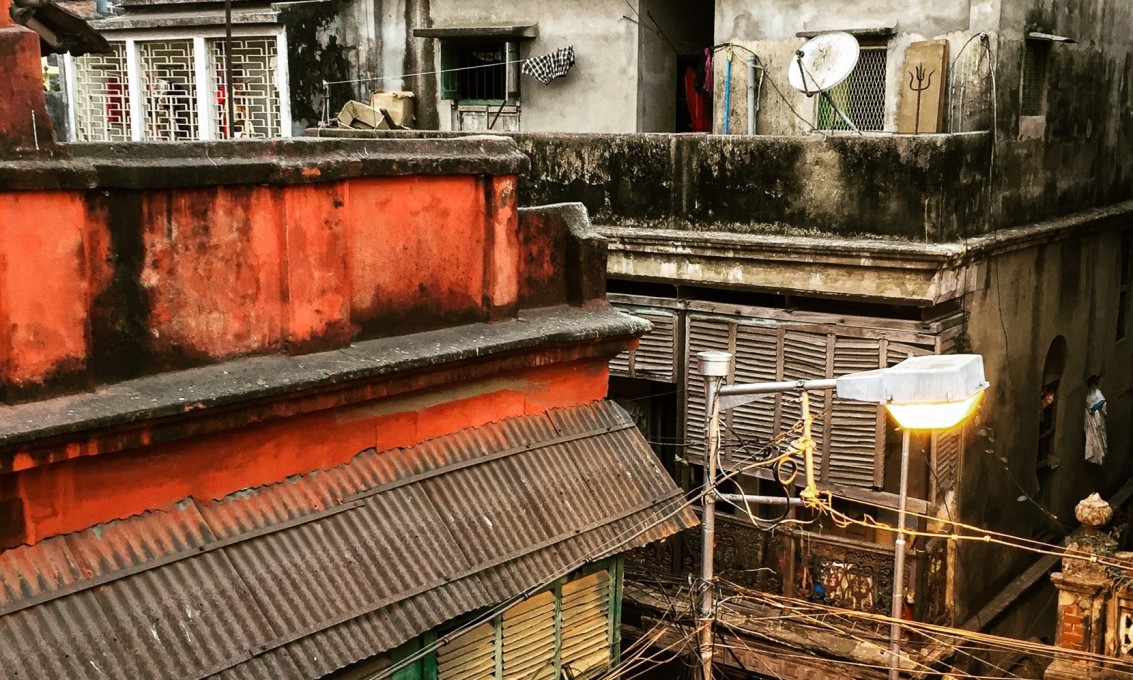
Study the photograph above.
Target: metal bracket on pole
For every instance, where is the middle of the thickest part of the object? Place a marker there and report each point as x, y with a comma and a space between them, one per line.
759, 500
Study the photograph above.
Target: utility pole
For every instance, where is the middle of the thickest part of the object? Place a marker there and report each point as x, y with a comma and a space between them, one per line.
898, 608
714, 366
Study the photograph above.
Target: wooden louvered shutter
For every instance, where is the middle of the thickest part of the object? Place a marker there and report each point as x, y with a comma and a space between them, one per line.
586, 642
704, 334
804, 358
653, 358
470, 656
948, 447
899, 351
757, 360
529, 638
619, 365
854, 434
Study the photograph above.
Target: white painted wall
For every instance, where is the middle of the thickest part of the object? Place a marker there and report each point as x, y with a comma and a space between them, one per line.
600, 93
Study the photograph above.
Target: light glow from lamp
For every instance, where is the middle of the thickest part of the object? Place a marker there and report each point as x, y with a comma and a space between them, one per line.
934, 416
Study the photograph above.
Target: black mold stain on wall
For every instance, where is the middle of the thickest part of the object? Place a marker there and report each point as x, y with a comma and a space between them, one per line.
310, 63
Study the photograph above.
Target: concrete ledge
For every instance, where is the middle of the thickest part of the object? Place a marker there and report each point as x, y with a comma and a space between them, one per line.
190, 394
293, 161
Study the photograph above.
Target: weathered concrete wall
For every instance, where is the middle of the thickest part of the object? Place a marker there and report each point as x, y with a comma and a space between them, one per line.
1067, 288
926, 188
1076, 154
163, 261
919, 189
770, 31
362, 41
599, 94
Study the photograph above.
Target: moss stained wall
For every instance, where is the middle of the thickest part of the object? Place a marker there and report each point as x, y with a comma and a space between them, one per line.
1028, 298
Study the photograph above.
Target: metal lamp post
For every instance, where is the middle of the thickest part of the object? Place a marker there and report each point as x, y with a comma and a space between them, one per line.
921, 393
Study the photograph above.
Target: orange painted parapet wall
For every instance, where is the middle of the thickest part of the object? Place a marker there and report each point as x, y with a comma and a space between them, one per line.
75, 494
123, 261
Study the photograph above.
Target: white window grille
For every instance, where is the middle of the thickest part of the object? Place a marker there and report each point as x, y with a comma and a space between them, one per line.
255, 99
861, 96
180, 90
102, 104
170, 90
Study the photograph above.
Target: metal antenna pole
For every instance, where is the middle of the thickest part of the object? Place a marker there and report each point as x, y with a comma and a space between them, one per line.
714, 366
899, 566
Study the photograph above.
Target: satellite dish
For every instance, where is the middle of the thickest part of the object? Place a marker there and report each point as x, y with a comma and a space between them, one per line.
823, 62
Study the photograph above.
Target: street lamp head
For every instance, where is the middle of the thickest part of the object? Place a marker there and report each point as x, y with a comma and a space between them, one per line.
714, 364
922, 393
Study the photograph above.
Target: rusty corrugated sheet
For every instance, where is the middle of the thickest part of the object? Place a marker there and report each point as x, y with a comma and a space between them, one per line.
303, 577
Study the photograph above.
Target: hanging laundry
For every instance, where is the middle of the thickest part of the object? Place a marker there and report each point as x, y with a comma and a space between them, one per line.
1096, 440
699, 108
547, 67
708, 69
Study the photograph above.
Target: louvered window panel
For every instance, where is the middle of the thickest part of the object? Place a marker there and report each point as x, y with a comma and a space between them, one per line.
899, 351
704, 334
470, 656
653, 358
102, 98
585, 625
854, 431
170, 90
619, 365
757, 359
948, 450
804, 358
529, 639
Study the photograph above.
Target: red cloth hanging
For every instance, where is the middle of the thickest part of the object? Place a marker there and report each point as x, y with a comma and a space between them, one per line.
697, 103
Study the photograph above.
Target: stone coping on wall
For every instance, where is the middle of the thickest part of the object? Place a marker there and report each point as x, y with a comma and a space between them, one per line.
291, 161
189, 394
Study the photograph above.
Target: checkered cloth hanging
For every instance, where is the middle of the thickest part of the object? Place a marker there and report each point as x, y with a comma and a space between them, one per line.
547, 67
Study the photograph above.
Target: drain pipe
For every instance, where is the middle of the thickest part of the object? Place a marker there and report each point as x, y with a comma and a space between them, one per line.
753, 88
728, 93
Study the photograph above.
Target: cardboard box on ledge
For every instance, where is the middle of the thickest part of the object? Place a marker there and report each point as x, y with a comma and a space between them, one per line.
398, 104
359, 116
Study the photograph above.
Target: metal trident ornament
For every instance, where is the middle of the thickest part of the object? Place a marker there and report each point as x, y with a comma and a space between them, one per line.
923, 83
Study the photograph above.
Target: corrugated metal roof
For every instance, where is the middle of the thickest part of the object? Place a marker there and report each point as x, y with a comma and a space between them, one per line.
303, 577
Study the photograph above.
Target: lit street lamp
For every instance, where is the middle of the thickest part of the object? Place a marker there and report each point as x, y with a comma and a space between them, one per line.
921, 393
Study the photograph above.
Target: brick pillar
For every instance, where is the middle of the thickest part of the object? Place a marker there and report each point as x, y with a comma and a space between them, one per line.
23, 114
1084, 590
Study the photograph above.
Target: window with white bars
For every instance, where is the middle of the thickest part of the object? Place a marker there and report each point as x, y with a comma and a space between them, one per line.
861, 97
255, 102
170, 90
182, 90
102, 104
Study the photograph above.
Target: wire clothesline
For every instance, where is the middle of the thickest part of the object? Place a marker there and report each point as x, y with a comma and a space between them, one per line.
423, 73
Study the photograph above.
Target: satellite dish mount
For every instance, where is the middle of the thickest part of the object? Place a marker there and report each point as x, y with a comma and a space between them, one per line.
823, 63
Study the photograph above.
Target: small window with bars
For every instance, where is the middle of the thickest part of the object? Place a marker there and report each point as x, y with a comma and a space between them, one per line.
1035, 56
475, 71
861, 97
